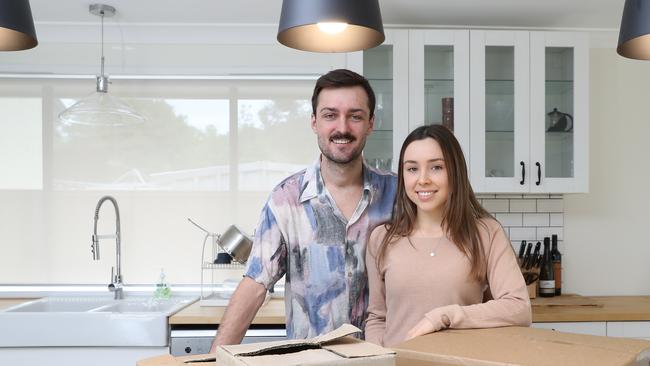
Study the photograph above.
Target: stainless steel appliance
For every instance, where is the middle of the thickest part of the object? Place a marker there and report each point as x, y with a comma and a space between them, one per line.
195, 340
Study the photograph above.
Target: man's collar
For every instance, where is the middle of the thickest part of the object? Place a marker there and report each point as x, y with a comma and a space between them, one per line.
313, 184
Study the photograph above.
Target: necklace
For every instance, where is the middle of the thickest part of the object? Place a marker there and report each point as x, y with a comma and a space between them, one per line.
434, 247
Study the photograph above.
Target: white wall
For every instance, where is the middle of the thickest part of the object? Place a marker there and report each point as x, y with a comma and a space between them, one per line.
607, 249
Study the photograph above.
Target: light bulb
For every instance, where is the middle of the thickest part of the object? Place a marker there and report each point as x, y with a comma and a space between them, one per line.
332, 28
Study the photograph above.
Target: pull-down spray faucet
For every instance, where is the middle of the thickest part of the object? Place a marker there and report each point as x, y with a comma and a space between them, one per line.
116, 278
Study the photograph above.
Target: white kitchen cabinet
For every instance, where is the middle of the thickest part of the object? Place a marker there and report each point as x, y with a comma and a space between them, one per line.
504, 84
517, 79
386, 68
589, 328
439, 69
411, 73
632, 329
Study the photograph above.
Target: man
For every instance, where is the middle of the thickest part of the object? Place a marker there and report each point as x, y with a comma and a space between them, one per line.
315, 224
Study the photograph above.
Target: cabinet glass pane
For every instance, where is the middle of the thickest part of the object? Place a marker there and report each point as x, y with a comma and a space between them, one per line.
439, 85
499, 111
559, 112
378, 69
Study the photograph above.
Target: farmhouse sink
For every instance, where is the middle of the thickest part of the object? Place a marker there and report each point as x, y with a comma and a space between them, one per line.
97, 321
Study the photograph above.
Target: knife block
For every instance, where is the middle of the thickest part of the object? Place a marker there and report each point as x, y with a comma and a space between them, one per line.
532, 290
532, 287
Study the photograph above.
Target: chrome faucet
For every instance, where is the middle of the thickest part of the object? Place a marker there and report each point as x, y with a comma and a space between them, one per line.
116, 284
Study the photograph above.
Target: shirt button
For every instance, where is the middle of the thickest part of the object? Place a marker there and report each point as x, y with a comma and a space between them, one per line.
349, 251
349, 274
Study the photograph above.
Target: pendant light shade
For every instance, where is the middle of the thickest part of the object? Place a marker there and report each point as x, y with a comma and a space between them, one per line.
101, 108
331, 25
634, 37
16, 26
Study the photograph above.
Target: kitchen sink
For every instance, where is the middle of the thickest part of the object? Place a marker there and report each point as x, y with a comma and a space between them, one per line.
98, 321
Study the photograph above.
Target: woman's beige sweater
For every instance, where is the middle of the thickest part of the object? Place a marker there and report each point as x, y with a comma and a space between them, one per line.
411, 285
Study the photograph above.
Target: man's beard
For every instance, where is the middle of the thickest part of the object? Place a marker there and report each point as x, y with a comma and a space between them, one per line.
340, 160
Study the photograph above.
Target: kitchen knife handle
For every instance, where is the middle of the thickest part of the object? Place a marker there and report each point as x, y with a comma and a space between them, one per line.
539, 173
523, 172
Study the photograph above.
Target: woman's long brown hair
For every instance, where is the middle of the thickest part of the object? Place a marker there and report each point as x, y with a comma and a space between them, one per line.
462, 211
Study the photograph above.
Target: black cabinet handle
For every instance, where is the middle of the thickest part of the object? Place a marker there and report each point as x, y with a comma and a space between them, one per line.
539, 173
523, 172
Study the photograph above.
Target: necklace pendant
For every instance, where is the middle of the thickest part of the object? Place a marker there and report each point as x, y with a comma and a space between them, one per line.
432, 254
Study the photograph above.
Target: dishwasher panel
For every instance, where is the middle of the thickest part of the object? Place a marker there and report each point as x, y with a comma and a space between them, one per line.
198, 341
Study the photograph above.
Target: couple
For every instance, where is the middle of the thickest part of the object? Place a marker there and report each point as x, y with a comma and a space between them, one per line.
401, 257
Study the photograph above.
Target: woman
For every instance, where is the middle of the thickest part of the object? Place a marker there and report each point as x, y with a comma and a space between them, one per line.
442, 261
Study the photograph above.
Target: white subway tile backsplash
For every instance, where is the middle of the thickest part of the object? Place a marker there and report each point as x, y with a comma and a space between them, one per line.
510, 196
522, 233
528, 217
557, 219
536, 219
548, 231
523, 205
537, 195
484, 196
550, 205
496, 205
509, 219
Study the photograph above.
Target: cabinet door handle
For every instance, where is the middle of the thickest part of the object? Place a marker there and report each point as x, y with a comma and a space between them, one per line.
523, 172
539, 173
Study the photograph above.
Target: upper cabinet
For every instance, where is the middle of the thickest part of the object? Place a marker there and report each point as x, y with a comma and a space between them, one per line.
386, 68
439, 81
517, 101
529, 111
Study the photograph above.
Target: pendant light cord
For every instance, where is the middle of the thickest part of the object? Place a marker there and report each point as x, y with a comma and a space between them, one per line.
102, 16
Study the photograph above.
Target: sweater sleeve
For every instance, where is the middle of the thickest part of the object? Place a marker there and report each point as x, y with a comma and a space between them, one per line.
376, 321
510, 304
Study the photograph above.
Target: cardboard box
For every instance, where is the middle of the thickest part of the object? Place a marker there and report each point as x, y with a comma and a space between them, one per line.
333, 348
520, 346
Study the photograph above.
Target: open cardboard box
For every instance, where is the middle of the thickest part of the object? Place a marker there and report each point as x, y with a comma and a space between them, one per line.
520, 346
333, 348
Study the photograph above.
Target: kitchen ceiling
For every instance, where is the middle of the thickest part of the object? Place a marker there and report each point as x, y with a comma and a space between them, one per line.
584, 14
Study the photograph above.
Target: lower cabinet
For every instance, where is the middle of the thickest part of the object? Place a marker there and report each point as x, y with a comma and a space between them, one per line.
629, 329
590, 328
78, 356
639, 330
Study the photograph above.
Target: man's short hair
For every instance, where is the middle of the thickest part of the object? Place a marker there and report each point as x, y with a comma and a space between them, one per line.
343, 78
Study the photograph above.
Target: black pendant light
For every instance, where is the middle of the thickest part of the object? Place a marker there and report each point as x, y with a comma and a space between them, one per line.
634, 37
16, 26
331, 25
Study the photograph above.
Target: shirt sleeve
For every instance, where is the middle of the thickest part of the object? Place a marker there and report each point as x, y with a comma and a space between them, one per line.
267, 261
376, 321
510, 304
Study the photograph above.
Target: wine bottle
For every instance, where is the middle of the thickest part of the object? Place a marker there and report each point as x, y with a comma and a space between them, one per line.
546, 274
556, 257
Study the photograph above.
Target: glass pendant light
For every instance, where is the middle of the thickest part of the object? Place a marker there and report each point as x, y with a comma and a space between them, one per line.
331, 25
16, 26
101, 108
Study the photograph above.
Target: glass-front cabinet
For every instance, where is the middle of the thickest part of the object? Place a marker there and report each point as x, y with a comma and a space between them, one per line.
439, 81
386, 68
516, 100
559, 131
529, 98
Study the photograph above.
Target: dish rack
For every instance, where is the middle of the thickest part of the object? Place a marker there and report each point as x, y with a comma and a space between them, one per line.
215, 294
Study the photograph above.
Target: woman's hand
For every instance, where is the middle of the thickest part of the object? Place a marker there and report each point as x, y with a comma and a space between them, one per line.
426, 326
